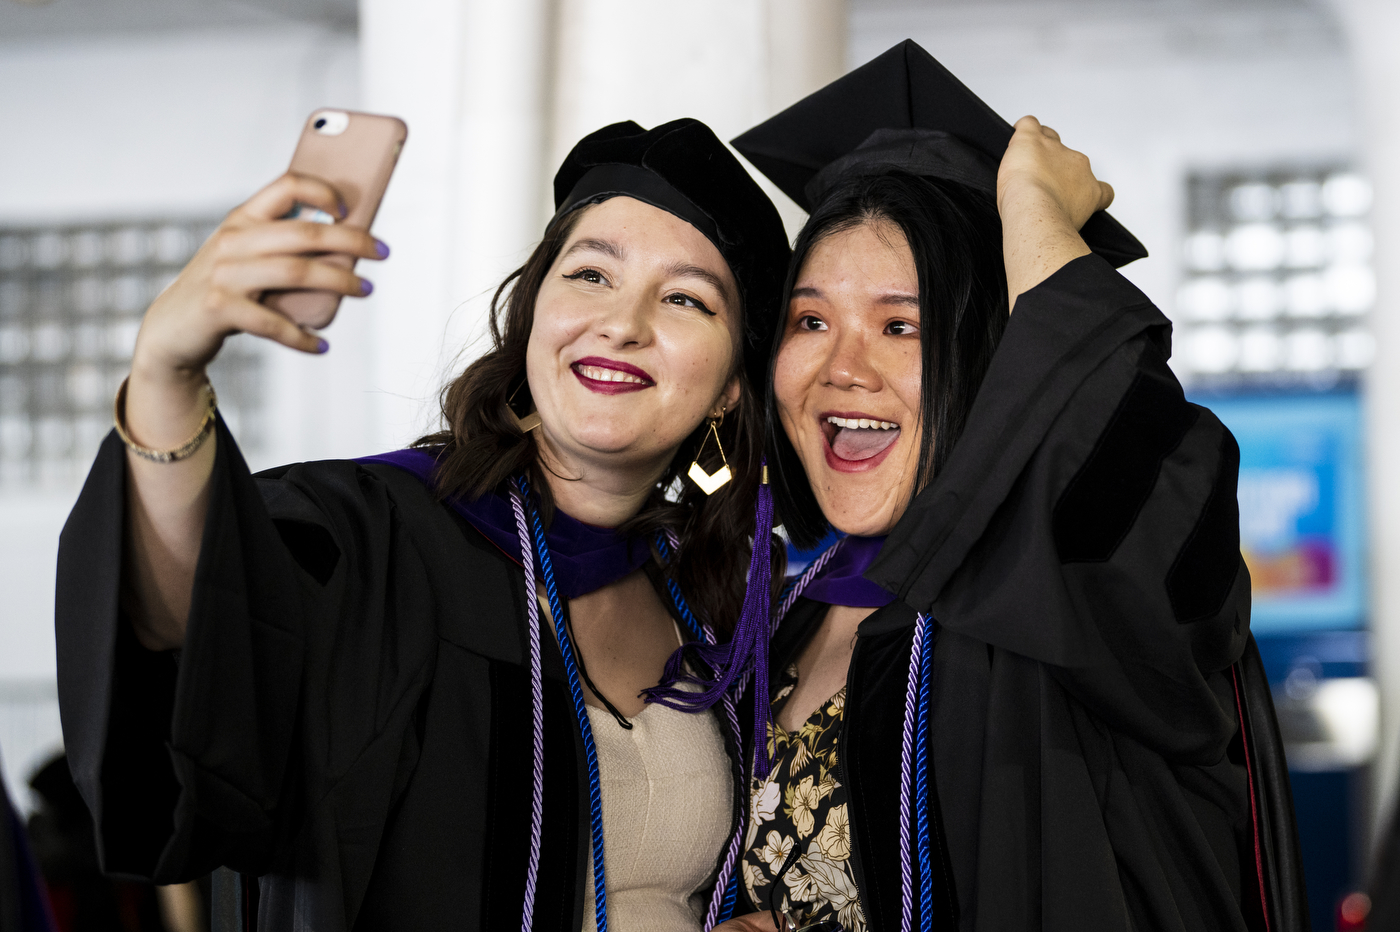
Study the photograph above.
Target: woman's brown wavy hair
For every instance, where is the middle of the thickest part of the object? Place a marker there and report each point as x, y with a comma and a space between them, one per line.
482, 448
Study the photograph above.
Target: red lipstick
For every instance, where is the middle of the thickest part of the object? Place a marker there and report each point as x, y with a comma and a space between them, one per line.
601, 375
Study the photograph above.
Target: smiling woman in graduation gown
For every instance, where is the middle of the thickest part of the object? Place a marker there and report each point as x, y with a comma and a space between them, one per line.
1049, 713
369, 709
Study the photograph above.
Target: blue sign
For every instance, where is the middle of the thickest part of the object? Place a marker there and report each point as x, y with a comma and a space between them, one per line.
1300, 497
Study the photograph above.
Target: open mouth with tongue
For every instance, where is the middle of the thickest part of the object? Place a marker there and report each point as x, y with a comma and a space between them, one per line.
857, 443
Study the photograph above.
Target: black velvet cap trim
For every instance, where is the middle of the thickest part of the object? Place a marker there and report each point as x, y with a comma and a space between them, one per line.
1204, 571
1102, 501
683, 168
645, 185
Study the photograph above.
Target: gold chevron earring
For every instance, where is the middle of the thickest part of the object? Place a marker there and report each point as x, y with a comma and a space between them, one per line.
527, 423
710, 483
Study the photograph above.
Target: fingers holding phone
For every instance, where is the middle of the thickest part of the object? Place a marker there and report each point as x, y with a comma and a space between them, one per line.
251, 253
355, 154
276, 267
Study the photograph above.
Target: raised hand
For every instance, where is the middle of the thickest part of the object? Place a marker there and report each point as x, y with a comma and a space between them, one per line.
215, 295
253, 251
1045, 193
1037, 164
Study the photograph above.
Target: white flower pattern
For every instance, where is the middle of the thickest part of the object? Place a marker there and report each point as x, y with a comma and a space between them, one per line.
802, 805
765, 802
776, 851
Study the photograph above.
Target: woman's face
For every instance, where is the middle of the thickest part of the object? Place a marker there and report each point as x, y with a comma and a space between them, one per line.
848, 372
634, 339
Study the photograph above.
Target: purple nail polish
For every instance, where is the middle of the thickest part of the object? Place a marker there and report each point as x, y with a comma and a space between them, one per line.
381, 249
322, 346
366, 286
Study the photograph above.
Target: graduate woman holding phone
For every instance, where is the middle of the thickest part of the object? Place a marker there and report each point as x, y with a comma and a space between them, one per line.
404, 692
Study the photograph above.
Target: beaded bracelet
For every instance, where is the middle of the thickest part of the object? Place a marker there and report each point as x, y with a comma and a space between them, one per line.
184, 450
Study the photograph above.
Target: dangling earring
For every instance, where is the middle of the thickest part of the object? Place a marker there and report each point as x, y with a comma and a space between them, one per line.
527, 423
710, 483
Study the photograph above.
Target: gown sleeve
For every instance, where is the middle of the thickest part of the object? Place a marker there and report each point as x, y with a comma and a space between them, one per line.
289, 692
1087, 518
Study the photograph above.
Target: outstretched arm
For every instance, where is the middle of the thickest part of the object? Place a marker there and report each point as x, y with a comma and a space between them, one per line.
1046, 191
216, 295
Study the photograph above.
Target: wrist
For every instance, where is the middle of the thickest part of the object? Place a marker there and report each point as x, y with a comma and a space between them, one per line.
162, 376
1026, 195
162, 405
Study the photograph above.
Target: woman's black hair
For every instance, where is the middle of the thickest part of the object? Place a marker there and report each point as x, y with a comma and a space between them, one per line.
954, 234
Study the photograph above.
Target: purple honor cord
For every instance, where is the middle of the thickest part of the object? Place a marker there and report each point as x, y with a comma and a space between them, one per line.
722, 897
746, 652
532, 605
836, 573
540, 551
574, 558
536, 547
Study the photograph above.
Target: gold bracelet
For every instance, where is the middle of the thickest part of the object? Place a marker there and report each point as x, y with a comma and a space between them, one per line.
186, 449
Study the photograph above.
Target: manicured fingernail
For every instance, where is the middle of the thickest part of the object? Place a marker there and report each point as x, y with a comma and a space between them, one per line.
322, 346
381, 249
366, 286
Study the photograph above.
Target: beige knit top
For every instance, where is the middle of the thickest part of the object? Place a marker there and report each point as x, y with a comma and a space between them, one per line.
668, 802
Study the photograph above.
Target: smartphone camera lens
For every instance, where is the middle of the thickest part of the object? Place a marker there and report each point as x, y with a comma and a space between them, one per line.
329, 122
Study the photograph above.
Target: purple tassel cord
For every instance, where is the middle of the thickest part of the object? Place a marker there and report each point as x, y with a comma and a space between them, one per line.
532, 604
747, 650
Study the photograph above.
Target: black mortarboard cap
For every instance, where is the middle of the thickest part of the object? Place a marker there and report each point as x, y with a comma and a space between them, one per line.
683, 168
904, 111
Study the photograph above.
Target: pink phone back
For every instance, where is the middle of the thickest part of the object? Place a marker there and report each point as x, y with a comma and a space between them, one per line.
357, 162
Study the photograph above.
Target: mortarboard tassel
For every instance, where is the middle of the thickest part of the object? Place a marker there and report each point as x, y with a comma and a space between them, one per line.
747, 649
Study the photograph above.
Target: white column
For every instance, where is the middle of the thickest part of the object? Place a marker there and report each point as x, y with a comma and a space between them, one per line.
1372, 26
807, 42
730, 63
466, 76
807, 50
653, 62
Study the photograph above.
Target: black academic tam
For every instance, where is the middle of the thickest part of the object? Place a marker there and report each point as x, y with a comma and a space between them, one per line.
349, 719
1103, 746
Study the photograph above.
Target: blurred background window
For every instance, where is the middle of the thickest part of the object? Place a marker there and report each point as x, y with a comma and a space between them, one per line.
71, 300
1277, 282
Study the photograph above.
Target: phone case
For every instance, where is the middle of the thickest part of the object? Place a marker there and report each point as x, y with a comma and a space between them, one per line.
357, 161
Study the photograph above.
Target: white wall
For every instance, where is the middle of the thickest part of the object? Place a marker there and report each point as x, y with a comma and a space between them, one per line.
135, 126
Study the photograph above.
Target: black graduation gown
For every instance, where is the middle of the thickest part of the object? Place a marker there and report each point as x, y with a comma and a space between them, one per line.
23, 907
349, 717
1092, 656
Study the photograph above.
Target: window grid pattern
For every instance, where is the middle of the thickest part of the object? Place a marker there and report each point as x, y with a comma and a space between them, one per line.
71, 302
1277, 280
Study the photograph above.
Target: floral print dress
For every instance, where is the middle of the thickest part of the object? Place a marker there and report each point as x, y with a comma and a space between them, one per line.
801, 806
